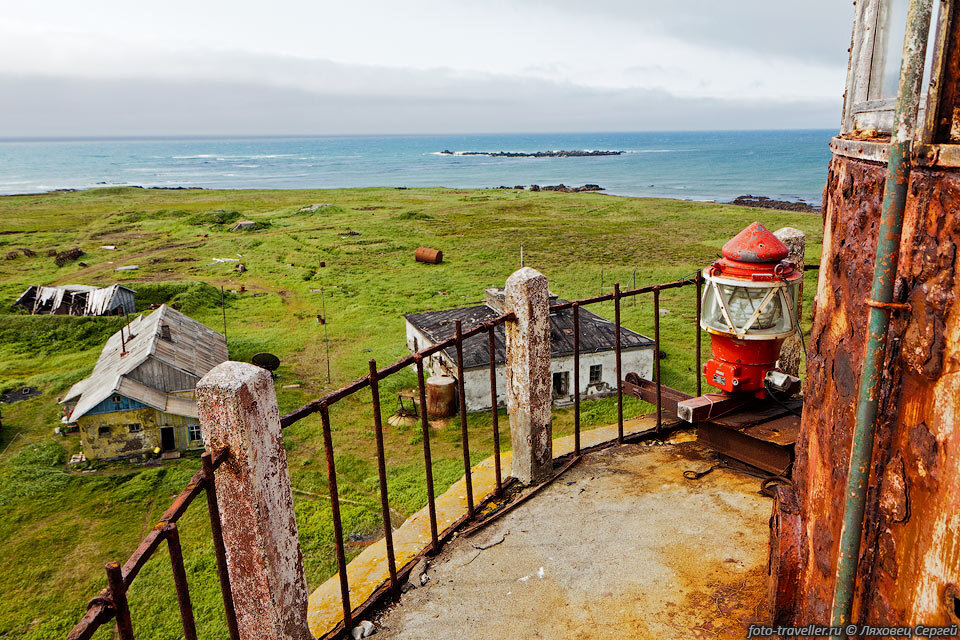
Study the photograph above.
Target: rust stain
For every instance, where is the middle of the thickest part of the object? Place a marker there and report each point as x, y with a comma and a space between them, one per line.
911, 547
851, 211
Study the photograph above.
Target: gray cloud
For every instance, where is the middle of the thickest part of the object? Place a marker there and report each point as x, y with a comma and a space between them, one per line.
815, 31
41, 106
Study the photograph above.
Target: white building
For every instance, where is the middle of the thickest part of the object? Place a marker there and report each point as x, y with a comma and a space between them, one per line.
598, 369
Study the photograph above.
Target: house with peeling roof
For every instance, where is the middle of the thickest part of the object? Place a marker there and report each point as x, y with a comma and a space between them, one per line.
598, 365
140, 396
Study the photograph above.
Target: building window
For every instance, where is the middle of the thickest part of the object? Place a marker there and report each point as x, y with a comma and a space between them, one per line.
165, 333
561, 384
193, 432
876, 59
103, 431
134, 428
116, 399
596, 373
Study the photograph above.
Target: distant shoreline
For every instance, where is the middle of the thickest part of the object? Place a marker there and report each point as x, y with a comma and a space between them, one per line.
757, 202
701, 167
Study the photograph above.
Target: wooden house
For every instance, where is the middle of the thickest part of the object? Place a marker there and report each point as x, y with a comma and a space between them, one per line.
140, 396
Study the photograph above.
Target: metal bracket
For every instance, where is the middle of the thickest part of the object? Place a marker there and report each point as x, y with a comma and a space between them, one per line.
888, 306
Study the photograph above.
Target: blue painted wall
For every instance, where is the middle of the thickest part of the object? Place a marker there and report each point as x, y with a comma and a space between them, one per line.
110, 405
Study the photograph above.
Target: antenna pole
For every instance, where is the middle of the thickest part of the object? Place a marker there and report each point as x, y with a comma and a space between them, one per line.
323, 311
223, 310
521, 256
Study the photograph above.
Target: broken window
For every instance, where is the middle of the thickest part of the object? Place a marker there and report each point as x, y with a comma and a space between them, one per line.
165, 333
134, 428
596, 373
876, 58
561, 384
103, 431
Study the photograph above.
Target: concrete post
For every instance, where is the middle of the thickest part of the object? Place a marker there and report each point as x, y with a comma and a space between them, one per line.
238, 409
529, 398
792, 350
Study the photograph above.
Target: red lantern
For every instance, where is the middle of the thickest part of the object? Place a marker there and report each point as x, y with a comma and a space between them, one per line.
749, 309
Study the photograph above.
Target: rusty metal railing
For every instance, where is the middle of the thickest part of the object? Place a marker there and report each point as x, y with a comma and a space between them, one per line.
372, 380
111, 603
616, 297
456, 341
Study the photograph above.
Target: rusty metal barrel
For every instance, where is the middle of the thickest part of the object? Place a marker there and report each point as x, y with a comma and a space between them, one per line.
441, 396
428, 255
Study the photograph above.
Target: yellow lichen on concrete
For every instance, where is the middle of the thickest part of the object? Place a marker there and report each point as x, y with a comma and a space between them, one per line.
369, 570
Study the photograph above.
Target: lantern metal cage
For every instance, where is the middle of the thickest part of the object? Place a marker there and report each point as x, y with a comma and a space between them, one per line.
749, 310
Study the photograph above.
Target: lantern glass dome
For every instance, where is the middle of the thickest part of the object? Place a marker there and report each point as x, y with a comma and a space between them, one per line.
749, 310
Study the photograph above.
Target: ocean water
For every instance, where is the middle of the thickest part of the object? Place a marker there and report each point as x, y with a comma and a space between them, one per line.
710, 166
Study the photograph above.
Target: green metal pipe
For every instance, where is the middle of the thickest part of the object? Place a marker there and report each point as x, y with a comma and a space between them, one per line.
884, 275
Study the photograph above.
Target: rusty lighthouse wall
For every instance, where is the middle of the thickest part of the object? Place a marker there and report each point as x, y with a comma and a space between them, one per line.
910, 555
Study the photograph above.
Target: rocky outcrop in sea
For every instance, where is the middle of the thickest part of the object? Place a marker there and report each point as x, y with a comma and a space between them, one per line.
535, 154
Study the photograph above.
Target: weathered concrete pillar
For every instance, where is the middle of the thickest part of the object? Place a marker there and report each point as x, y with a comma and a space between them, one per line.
238, 409
792, 350
528, 375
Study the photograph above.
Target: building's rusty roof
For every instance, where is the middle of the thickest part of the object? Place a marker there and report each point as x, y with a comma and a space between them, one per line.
596, 334
165, 335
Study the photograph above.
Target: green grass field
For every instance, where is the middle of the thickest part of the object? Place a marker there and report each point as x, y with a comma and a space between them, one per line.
60, 527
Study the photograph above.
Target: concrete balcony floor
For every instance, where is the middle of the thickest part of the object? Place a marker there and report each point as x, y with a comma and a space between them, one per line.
621, 546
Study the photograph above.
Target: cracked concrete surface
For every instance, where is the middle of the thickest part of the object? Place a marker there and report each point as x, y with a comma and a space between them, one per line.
620, 546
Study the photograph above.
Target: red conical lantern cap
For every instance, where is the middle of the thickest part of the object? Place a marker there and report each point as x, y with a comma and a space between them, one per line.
755, 244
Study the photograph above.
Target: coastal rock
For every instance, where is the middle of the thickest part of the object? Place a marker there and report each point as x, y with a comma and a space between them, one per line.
764, 202
535, 154
562, 188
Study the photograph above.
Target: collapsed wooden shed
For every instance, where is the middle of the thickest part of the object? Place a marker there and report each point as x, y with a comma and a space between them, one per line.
78, 300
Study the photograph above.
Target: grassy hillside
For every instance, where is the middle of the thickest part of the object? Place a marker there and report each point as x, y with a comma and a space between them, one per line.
60, 527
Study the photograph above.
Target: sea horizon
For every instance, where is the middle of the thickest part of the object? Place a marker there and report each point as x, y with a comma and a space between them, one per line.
716, 166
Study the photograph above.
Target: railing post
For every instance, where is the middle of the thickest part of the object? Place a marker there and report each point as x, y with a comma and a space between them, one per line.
529, 397
656, 355
427, 457
619, 359
698, 372
576, 378
118, 593
382, 476
238, 409
464, 432
792, 350
494, 412
180, 581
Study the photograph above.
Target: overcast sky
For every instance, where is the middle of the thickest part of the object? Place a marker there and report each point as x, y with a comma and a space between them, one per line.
213, 67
